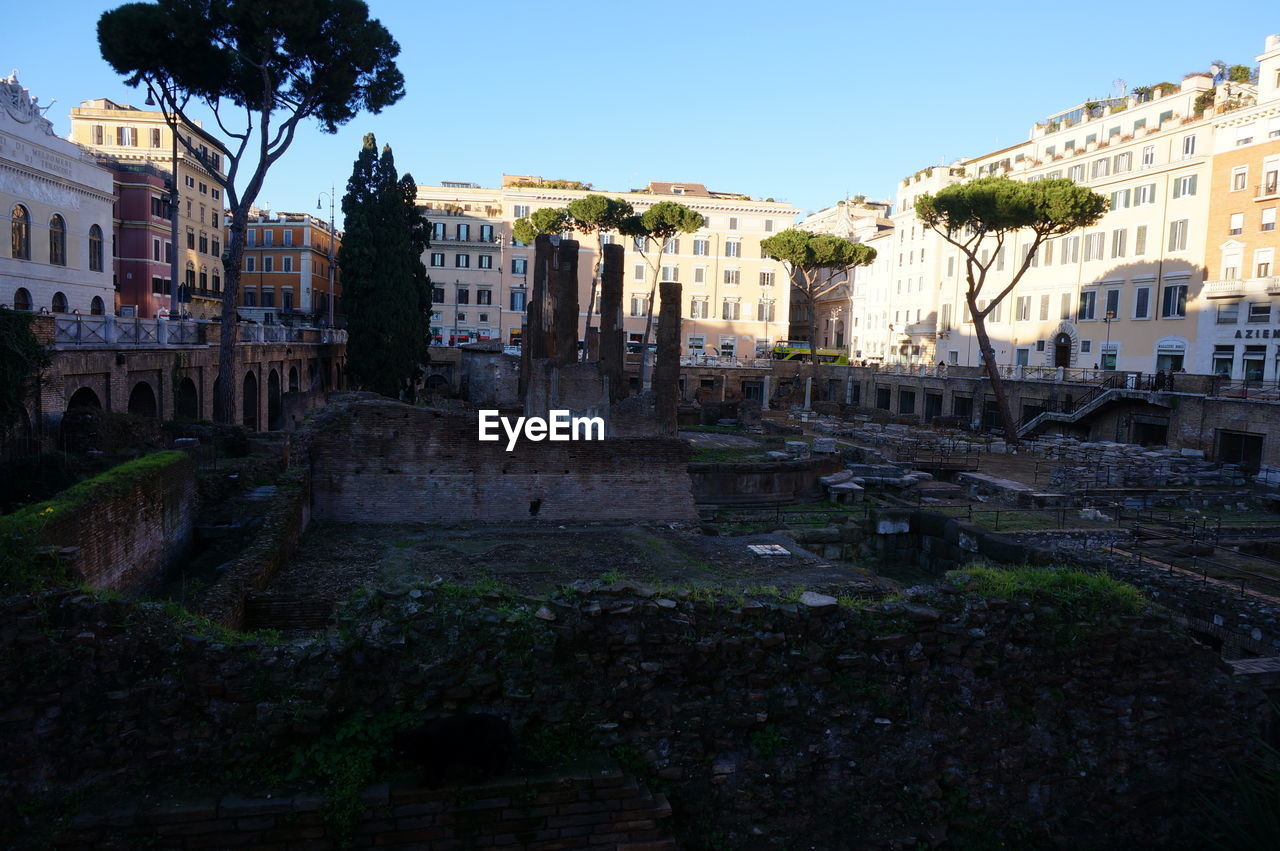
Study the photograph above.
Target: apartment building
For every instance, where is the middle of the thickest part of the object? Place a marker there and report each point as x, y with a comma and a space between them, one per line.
1239, 309
137, 145
289, 269
842, 312
1114, 296
736, 302
56, 203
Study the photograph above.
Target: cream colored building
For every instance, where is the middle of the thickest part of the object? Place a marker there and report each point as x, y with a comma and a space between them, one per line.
1118, 294
736, 302
56, 203
1239, 307
122, 135
843, 311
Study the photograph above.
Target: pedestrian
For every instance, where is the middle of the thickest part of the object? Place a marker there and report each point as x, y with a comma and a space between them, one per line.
1160, 380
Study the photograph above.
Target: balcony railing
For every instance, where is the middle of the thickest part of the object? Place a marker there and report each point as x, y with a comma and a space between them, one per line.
114, 331
1240, 287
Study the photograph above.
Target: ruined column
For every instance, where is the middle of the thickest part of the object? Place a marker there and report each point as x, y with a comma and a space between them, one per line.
666, 374
808, 392
612, 337
538, 316
564, 302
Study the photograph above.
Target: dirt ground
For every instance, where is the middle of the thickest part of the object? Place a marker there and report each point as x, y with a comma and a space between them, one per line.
335, 559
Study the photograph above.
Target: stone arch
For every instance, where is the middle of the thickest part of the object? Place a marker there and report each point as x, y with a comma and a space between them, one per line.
249, 405
22, 299
96, 307
142, 401
293, 379
437, 383
85, 397
186, 401
273, 400
1065, 335
59, 302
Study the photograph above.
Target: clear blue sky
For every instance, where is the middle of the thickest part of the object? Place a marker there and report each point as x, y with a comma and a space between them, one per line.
802, 102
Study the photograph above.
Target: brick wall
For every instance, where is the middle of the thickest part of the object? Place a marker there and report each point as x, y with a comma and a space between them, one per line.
376, 460
592, 808
129, 524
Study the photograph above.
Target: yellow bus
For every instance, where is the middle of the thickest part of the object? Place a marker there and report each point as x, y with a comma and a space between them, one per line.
785, 350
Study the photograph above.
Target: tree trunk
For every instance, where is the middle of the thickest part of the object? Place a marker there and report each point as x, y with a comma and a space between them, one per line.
646, 363
597, 275
993, 372
813, 329
230, 298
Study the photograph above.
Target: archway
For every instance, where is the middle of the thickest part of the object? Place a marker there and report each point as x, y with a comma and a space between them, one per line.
249, 408
96, 307
186, 401
293, 379
273, 401
1062, 350
84, 398
142, 401
22, 299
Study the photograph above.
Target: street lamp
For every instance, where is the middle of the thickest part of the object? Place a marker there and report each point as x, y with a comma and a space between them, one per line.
332, 234
1106, 347
175, 287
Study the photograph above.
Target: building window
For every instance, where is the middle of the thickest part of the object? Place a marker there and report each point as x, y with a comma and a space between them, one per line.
733, 223
1140, 241
701, 247
286, 264
1188, 146
521, 210
1259, 312
464, 233
97, 134
268, 264
1117, 242
288, 237
1094, 246
671, 246
1239, 178
485, 261
640, 243
58, 241
464, 296
517, 300
250, 238
437, 295
437, 231
766, 279
1237, 224
638, 304
1066, 305
268, 297
732, 248
59, 304
1229, 313
1184, 186
486, 233
732, 309
286, 298
484, 296
731, 277
1145, 194
670, 273
1022, 310
1148, 151
250, 297
698, 308
1269, 219
1178, 235
1174, 303
126, 137
638, 272
216, 249
462, 261
519, 265
95, 249
217, 281
437, 258
267, 238
191, 239
204, 243
1113, 304
249, 264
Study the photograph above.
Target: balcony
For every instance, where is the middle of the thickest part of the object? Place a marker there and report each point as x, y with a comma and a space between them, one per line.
1241, 287
1269, 188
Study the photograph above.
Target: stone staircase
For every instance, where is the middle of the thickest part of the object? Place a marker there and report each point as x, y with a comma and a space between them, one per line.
1097, 398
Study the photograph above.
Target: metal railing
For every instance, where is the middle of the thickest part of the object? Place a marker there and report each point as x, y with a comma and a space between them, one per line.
109, 331
731, 362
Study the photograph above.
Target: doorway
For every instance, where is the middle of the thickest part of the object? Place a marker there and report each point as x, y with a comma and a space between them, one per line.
1062, 350
1168, 361
1238, 447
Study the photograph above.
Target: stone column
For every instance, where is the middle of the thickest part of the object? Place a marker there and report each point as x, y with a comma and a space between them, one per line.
538, 316
764, 394
808, 392
666, 374
564, 301
612, 337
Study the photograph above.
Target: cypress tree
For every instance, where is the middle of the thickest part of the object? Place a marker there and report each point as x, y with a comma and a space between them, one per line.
386, 292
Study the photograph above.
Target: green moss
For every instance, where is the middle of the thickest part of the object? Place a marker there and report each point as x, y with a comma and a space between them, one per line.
1076, 593
21, 532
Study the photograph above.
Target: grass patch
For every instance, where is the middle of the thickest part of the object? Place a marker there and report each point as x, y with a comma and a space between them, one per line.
21, 532
1074, 592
